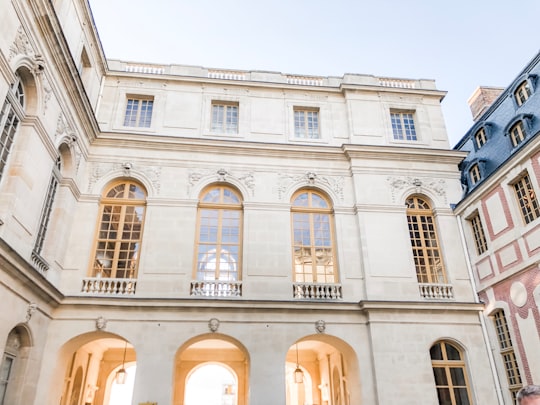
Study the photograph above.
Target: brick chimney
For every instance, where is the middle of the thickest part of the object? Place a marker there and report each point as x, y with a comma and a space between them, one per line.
482, 98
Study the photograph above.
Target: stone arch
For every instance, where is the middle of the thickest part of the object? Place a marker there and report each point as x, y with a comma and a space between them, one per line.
310, 181
122, 171
214, 179
30, 84
325, 356
15, 361
211, 348
99, 354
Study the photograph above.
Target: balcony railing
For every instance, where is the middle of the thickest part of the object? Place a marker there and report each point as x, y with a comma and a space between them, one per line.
41, 265
216, 288
109, 286
317, 291
436, 291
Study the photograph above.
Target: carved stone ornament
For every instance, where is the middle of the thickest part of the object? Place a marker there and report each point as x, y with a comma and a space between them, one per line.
152, 173
63, 127
320, 326
223, 175
47, 93
21, 45
285, 181
438, 186
213, 324
30, 311
101, 323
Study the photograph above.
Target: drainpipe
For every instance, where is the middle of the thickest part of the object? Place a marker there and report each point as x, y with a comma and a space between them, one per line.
494, 374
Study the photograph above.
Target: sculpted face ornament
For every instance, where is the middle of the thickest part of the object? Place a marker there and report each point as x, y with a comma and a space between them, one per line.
213, 324
320, 326
101, 323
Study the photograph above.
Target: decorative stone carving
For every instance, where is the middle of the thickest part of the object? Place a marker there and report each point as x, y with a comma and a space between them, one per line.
152, 173
285, 181
438, 186
126, 168
32, 307
224, 175
47, 93
320, 326
21, 45
63, 127
101, 323
213, 324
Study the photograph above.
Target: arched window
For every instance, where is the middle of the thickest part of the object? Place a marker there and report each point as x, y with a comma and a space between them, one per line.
119, 232
219, 236
450, 374
313, 238
425, 242
10, 117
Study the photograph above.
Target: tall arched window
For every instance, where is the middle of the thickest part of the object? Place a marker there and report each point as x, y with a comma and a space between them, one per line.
219, 236
119, 233
450, 374
425, 242
10, 117
313, 238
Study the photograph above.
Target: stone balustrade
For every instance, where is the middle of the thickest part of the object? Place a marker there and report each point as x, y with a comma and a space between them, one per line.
108, 286
432, 291
317, 291
216, 288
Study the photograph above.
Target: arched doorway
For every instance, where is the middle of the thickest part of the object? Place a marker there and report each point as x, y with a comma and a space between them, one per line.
319, 370
211, 384
91, 375
213, 367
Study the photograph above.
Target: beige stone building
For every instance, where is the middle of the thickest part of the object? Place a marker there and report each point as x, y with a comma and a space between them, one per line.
241, 237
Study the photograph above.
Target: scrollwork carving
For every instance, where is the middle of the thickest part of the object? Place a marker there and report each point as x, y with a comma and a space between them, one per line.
438, 186
285, 181
21, 45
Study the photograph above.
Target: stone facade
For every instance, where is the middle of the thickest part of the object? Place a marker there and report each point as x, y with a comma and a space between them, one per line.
360, 327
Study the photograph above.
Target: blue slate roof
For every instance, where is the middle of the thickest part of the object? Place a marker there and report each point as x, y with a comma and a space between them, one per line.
496, 122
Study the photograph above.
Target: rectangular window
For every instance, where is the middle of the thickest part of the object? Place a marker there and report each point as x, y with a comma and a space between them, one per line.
306, 123
403, 126
522, 93
139, 112
225, 117
480, 138
507, 352
478, 233
9, 121
5, 371
517, 134
528, 203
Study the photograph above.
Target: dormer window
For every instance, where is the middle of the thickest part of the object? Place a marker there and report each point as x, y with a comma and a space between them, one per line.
522, 93
474, 174
480, 138
517, 133
519, 129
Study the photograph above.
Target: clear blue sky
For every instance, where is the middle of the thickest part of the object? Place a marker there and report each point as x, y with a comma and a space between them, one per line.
461, 44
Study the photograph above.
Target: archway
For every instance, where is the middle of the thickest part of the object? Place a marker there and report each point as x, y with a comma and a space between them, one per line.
92, 367
211, 384
213, 366
328, 372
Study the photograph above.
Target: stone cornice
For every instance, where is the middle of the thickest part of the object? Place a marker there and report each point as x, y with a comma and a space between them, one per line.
17, 267
427, 155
